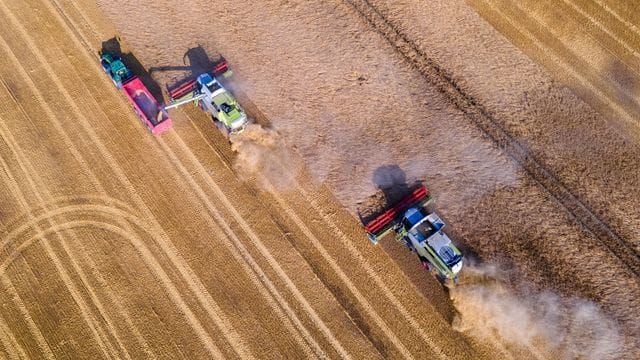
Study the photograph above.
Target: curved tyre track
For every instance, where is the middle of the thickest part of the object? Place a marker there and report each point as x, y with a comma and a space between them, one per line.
85, 310
476, 113
198, 289
258, 271
85, 124
168, 151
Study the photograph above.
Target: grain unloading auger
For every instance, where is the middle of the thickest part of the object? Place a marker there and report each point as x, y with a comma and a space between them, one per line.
209, 94
421, 231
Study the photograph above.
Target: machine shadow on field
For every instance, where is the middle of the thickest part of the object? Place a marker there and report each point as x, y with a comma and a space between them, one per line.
113, 46
391, 182
195, 62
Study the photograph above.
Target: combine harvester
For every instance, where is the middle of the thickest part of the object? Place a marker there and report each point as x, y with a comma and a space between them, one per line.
421, 231
153, 116
212, 98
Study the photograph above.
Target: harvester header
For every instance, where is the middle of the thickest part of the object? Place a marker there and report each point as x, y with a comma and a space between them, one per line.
385, 222
220, 68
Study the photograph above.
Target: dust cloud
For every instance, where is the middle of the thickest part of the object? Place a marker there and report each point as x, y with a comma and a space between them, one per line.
544, 324
263, 157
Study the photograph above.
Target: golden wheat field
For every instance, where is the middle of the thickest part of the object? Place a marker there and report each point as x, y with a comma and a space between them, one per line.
521, 117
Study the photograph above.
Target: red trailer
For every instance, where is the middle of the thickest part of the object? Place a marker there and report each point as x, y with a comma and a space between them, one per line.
153, 116
146, 107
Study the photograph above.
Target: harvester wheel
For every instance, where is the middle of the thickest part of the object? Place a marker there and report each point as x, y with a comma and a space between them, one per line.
425, 263
408, 245
221, 126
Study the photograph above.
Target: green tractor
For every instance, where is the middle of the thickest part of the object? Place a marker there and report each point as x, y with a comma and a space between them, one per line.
115, 68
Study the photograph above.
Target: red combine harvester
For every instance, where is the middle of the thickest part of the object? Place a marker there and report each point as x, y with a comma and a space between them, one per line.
153, 116
421, 231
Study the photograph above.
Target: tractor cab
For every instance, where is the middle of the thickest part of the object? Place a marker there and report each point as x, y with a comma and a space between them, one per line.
114, 66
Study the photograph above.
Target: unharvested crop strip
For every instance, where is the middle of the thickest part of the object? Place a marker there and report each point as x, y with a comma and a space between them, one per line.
477, 114
581, 63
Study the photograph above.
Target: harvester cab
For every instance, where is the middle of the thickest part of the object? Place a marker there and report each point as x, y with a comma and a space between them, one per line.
115, 68
421, 231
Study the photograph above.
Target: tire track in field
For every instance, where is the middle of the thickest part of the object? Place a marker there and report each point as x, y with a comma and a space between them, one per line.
85, 312
5, 133
283, 303
207, 341
395, 341
588, 63
247, 229
479, 116
91, 208
70, 205
125, 234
